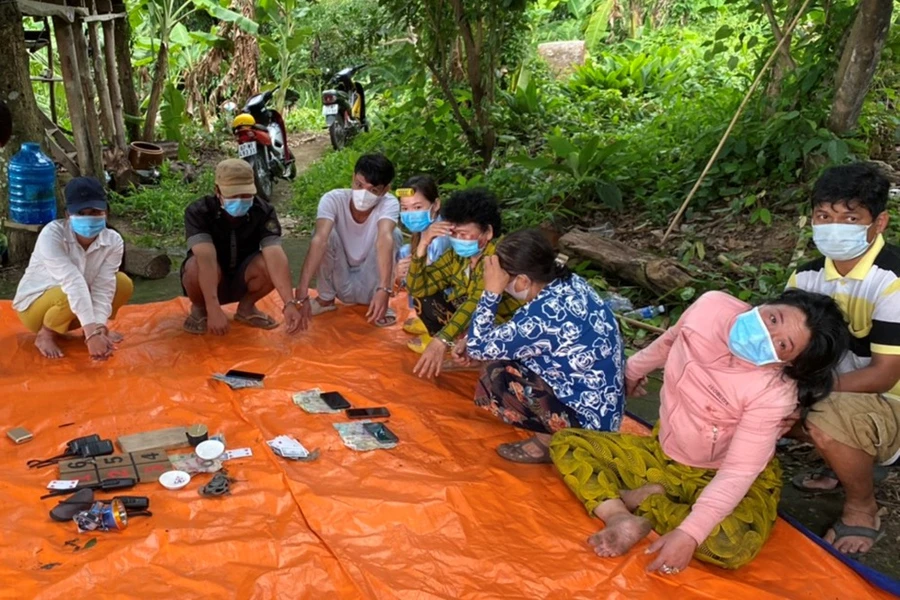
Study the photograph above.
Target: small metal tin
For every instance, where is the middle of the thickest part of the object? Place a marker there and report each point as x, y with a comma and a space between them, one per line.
196, 434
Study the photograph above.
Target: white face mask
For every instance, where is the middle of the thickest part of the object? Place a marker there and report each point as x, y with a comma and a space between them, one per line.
511, 290
842, 241
364, 200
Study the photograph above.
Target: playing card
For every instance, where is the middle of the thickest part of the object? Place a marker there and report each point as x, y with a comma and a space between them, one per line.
58, 484
237, 453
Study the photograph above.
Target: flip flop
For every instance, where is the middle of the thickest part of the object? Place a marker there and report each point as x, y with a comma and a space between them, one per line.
315, 308
842, 530
67, 509
195, 325
389, 318
415, 326
515, 452
800, 480
258, 320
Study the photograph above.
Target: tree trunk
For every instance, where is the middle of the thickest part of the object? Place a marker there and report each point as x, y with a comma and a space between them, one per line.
156, 90
858, 62
68, 66
130, 101
92, 121
106, 111
115, 89
660, 275
16, 92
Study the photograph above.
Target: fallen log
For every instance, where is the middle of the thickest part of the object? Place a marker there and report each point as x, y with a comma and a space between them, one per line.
660, 275
146, 262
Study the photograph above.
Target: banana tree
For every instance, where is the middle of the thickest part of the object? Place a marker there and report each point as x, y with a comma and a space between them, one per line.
165, 15
287, 36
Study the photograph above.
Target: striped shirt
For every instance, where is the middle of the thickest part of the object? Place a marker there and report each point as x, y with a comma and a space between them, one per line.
869, 295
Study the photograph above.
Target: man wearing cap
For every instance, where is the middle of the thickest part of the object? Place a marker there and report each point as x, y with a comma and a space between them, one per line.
234, 255
73, 279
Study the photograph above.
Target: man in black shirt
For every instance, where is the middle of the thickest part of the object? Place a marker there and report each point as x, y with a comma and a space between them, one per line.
234, 255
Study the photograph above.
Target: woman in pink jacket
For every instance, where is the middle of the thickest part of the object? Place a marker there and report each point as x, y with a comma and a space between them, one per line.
706, 479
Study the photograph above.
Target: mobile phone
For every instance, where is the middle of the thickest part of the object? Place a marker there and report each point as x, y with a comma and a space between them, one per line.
334, 400
381, 433
378, 412
19, 435
245, 375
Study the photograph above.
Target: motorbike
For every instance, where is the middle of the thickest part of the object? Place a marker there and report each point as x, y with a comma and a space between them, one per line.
344, 107
262, 141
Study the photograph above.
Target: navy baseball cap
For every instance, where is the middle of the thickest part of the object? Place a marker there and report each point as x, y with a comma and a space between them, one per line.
85, 192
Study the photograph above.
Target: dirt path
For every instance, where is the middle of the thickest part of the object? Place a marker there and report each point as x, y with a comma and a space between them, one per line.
307, 149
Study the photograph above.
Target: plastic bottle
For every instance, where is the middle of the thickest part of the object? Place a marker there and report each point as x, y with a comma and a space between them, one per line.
647, 312
616, 302
32, 186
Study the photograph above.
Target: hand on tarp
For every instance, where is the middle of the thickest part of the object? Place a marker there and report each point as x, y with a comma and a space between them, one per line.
430, 362
460, 354
675, 549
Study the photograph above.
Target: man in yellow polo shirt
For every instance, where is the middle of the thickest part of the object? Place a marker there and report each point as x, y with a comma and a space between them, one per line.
858, 426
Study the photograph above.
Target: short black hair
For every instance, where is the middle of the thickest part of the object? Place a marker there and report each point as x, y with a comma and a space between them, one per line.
814, 369
528, 252
859, 183
475, 205
423, 184
376, 168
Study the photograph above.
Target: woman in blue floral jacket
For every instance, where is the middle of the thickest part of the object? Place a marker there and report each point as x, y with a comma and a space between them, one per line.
558, 362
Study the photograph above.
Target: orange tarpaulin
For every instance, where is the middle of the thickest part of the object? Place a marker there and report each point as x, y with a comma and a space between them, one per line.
440, 516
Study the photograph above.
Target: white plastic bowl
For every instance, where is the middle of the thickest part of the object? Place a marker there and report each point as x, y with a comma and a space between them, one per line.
210, 449
174, 480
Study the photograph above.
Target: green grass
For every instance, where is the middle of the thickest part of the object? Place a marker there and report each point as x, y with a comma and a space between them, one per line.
160, 209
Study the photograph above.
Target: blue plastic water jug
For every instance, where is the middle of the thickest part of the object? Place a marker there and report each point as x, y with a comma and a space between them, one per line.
32, 186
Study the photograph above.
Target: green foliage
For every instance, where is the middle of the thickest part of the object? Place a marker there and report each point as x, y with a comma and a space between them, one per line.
160, 209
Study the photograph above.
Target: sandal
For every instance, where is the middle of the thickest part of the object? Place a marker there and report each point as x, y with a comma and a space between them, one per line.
415, 326
317, 308
389, 318
801, 480
257, 319
195, 325
842, 530
67, 509
515, 452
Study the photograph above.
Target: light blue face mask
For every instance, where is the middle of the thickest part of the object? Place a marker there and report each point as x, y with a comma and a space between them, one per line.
749, 340
465, 248
237, 207
416, 221
841, 241
87, 226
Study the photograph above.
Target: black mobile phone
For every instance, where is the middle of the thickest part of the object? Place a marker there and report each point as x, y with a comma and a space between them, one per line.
378, 412
245, 375
334, 400
381, 433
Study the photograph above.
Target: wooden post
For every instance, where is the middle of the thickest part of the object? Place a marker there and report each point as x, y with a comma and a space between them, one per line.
92, 122
71, 80
112, 79
106, 112
50, 70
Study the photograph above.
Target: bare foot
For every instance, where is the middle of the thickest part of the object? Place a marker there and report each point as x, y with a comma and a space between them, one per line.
115, 337
46, 344
623, 530
633, 498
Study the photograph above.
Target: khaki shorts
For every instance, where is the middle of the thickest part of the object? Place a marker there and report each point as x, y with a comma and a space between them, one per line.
868, 422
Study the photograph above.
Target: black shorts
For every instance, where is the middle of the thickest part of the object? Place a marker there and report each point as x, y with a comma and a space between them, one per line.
233, 286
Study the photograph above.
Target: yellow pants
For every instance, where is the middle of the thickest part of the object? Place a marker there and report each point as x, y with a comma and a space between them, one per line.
596, 466
52, 310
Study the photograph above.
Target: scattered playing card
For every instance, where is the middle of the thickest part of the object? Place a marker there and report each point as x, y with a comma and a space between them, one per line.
287, 447
58, 484
237, 453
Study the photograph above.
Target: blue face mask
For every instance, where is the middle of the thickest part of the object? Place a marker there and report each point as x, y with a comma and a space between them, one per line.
465, 248
87, 226
749, 339
841, 241
416, 221
237, 207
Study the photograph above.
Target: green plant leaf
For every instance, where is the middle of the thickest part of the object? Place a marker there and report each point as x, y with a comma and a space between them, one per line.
90, 544
724, 32
228, 16
269, 48
609, 194
561, 146
598, 23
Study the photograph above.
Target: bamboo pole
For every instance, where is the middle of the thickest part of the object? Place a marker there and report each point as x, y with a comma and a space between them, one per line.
74, 99
786, 35
92, 120
106, 112
112, 78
